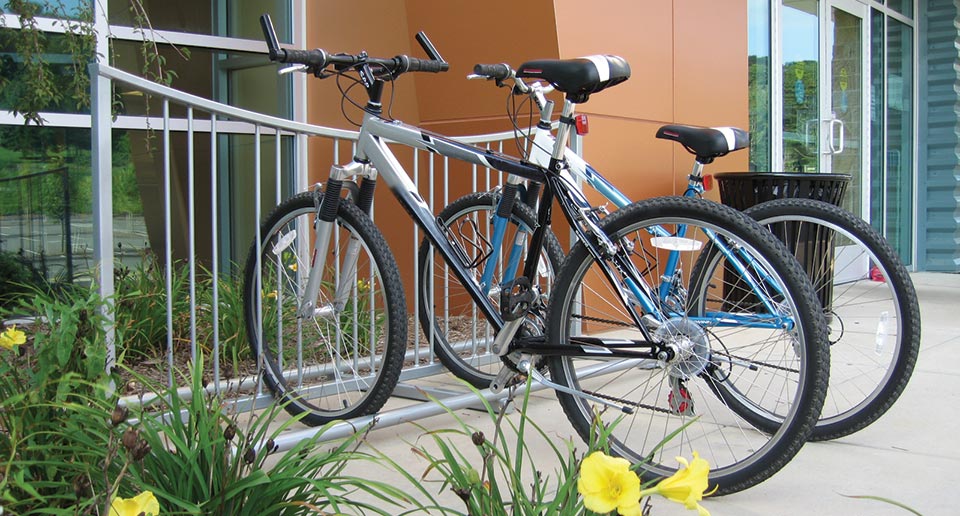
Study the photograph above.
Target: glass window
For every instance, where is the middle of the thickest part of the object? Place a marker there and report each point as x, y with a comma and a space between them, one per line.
63, 67
247, 81
758, 48
899, 135
233, 18
71, 9
46, 221
904, 7
877, 83
45, 180
801, 85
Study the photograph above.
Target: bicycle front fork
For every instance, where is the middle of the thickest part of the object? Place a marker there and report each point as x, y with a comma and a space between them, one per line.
327, 204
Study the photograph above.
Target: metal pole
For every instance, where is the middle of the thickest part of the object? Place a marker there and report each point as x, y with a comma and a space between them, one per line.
102, 163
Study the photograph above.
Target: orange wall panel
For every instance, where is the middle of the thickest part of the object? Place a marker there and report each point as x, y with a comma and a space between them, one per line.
627, 153
641, 33
688, 60
467, 33
711, 62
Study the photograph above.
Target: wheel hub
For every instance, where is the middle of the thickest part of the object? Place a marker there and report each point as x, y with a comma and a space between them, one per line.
690, 346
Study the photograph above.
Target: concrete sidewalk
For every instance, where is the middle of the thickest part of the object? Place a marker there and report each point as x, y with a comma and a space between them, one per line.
908, 455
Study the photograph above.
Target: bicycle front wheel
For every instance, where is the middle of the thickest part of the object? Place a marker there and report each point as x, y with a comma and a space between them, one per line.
726, 355
869, 301
344, 359
460, 334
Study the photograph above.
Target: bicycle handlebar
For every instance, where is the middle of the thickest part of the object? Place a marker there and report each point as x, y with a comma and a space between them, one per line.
499, 71
317, 59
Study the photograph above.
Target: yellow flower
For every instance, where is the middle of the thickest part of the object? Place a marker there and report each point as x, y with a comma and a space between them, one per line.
12, 337
143, 503
607, 483
687, 485
293, 267
271, 295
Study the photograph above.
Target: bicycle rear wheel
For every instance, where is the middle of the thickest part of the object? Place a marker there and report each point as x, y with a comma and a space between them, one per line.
762, 364
344, 360
870, 303
449, 318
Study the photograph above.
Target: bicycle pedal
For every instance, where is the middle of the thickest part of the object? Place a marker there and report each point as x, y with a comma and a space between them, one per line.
505, 378
516, 298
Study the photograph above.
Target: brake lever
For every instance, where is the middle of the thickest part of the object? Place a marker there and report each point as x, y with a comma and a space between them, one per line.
294, 68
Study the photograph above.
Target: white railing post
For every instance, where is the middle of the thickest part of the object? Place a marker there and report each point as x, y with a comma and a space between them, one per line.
102, 163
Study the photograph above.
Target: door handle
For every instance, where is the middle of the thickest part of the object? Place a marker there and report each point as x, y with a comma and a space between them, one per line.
834, 124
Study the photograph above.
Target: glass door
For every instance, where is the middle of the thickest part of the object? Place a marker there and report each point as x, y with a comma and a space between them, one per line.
844, 95
844, 122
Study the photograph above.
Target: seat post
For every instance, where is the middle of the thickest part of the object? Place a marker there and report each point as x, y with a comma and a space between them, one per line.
697, 169
563, 131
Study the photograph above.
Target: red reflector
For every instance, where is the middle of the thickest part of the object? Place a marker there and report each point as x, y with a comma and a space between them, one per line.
708, 182
582, 126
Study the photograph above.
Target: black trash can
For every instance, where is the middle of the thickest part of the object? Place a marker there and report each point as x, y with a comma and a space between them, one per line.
813, 249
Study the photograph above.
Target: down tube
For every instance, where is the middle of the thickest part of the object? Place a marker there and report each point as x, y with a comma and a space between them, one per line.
600, 184
406, 193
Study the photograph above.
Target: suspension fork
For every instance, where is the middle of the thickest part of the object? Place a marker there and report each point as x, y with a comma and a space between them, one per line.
501, 219
324, 226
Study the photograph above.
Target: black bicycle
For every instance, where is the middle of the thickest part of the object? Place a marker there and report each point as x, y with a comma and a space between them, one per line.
625, 346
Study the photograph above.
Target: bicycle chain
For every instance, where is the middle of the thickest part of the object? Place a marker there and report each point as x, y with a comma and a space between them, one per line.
597, 319
742, 359
631, 403
761, 364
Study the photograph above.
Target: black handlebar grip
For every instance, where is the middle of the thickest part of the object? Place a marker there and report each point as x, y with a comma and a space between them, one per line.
493, 71
428, 47
426, 65
316, 57
270, 35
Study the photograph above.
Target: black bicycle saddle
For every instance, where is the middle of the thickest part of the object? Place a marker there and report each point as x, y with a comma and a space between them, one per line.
579, 77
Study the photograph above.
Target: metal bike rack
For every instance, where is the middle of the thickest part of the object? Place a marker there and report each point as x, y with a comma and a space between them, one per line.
207, 119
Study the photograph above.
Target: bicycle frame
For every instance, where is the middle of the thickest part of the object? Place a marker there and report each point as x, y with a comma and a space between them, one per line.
580, 171
375, 160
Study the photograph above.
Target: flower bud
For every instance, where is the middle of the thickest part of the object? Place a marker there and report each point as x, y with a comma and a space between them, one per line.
81, 487
249, 456
473, 476
478, 438
119, 415
130, 438
141, 451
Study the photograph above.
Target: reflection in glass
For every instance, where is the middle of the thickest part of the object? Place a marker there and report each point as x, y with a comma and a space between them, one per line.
233, 18
70, 9
904, 7
899, 159
801, 107
758, 45
846, 58
877, 113
247, 81
47, 218
61, 65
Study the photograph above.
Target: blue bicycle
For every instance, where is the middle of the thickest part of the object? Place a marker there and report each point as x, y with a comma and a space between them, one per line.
866, 292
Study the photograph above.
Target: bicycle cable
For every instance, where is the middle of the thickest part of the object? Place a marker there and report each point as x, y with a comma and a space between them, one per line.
345, 94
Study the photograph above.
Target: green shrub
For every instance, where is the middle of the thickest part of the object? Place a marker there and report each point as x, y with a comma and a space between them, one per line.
17, 276
205, 459
55, 410
141, 312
